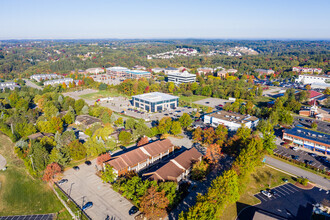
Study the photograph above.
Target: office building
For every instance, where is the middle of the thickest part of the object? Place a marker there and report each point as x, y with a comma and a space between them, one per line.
155, 101
179, 77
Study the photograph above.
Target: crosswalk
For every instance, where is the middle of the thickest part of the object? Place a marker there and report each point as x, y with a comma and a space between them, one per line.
280, 191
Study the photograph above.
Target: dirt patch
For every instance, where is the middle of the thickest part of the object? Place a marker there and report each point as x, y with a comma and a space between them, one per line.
309, 186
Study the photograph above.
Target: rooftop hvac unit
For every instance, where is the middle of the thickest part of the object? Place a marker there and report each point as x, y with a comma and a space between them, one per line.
299, 131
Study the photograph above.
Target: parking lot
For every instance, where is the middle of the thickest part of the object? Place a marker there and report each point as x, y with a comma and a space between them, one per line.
28, 217
212, 102
304, 156
84, 186
322, 126
289, 202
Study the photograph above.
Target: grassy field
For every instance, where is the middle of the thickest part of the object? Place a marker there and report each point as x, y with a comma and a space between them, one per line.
20, 194
261, 101
102, 94
259, 180
192, 98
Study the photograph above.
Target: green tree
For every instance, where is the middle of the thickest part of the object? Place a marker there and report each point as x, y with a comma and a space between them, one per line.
94, 147
176, 128
108, 175
314, 125
185, 120
77, 150
124, 137
79, 104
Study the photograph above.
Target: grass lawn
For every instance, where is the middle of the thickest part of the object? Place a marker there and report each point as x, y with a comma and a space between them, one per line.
192, 98
261, 101
102, 94
258, 181
20, 194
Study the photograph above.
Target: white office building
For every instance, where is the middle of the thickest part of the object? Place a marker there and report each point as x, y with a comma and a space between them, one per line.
231, 120
155, 101
179, 77
314, 79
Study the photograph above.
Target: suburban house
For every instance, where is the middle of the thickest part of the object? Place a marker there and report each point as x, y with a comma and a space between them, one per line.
140, 158
309, 139
231, 120
265, 71
67, 81
42, 77
9, 85
39, 135
205, 71
178, 168
87, 120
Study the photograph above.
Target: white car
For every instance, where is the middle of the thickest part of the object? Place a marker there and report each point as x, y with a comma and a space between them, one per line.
295, 148
266, 193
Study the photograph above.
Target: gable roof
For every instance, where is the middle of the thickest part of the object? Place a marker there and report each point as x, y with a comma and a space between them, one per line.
175, 167
314, 94
138, 155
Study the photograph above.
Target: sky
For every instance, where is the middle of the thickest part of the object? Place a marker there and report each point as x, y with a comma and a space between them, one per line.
127, 19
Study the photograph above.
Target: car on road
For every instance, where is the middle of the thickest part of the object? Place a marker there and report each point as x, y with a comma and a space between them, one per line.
295, 148
295, 157
76, 168
88, 163
62, 181
207, 102
87, 206
266, 193
133, 210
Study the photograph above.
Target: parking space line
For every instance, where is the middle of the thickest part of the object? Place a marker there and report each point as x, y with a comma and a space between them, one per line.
285, 192
280, 192
284, 186
292, 187
260, 197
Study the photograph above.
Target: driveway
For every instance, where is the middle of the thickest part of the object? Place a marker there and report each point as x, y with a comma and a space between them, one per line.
290, 202
322, 181
84, 186
31, 84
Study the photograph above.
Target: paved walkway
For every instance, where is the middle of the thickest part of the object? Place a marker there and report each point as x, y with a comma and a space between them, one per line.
321, 181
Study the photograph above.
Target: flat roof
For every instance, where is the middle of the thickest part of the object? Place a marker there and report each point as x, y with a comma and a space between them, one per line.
155, 96
309, 134
137, 72
183, 74
233, 117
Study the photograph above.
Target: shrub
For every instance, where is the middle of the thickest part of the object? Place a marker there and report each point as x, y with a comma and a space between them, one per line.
302, 181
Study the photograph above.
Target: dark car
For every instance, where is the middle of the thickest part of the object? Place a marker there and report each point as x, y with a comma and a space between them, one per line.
87, 206
123, 148
273, 192
133, 210
309, 162
88, 163
76, 168
285, 180
207, 102
295, 157
62, 181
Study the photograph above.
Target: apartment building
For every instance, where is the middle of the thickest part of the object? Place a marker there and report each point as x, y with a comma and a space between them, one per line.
43, 77
306, 70
264, 71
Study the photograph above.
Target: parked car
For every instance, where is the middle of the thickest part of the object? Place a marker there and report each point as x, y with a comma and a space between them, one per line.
76, 168
87, 206
273, 192
88, 163
266, 193
62, 181
133, 210
295, 148
285, 180
295, 157
312, 154
309, 162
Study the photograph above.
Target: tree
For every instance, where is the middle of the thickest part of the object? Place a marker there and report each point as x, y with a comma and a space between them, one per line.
153, 203
308, 87
39, 156
199, 170
103, 158
144, 140
94, 147
77, 150
85, 110
185, 120
79, 104
176, 128
197, 134
125, 137
119, 121
51, 170
57, 156
213, 153
108, 175
209, 109
50, 111
164, 125
314, 125
221, 133
129, 124
209, 135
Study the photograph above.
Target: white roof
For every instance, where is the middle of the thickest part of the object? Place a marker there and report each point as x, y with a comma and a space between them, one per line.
155, 96
183, 74
118, 68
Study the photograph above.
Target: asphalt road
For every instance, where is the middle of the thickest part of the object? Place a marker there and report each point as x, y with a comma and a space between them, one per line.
31, 84
298, 172
290, 202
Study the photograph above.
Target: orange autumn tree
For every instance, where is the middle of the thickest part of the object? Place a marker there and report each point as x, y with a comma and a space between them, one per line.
144, 140
50, 171
213, 153
153, 203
